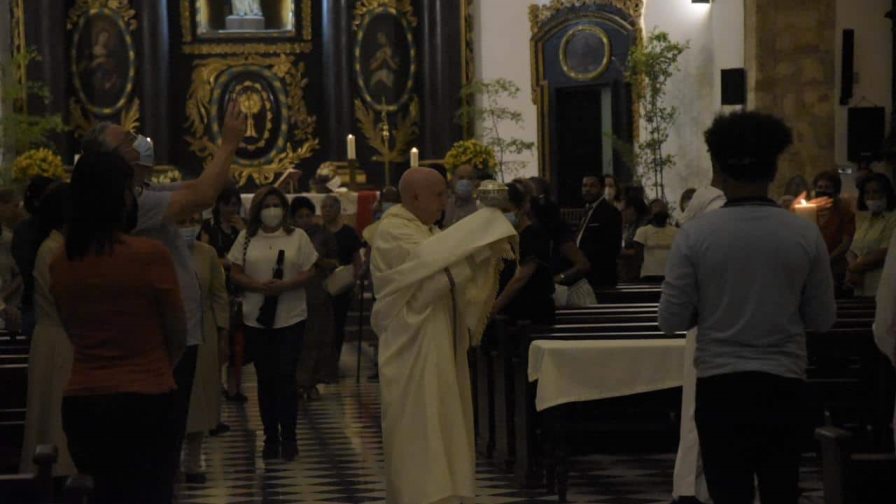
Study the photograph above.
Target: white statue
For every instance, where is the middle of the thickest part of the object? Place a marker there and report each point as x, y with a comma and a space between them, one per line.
246, 8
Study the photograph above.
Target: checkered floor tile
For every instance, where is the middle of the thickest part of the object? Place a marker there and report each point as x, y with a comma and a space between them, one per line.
341, 460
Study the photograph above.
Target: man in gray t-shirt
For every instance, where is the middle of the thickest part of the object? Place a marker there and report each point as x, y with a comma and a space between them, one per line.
159, 208
753, 279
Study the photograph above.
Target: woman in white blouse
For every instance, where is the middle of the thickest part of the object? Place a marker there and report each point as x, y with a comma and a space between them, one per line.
274, 311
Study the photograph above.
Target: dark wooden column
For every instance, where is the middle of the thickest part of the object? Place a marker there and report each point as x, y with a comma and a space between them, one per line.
441, 74
338, 75
45, 32
154, 77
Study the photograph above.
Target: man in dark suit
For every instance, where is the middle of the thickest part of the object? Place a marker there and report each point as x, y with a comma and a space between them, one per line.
599, 235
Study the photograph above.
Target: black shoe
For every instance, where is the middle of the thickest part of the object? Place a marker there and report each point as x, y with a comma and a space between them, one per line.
195, 478
289, 451
239, 397
270, 451
221, 428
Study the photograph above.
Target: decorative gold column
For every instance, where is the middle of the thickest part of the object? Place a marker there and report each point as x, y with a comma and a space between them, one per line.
790, 59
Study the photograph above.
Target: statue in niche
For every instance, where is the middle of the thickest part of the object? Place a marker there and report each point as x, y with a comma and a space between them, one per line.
246, 8
383, 64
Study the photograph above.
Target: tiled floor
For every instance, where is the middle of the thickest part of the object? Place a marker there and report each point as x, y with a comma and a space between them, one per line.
341, 460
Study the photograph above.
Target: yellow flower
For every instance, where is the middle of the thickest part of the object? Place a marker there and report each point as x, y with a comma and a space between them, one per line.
36, 162
470, 152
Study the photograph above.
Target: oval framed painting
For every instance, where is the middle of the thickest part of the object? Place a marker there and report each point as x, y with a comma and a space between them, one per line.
263, 100
104, 61
385, 59
585, 52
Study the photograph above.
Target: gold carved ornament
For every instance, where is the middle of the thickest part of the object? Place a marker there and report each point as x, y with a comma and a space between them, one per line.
405, 131
541, 14
19, 45
401, 7
300, 146
186, 20
208, 49
81, 117
306, 21
253, 48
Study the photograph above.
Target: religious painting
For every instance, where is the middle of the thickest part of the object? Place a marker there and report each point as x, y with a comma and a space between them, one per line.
585, 52
385, 59
103, 61
245, 18
270, 92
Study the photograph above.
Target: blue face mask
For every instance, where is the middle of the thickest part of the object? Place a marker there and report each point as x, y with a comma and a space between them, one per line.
511, 218
463, 189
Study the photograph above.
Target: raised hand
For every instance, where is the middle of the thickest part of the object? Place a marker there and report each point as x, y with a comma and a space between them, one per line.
234, 128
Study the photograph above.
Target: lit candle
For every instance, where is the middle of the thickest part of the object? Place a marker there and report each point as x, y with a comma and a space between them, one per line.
415, 158
350, 147
806, 211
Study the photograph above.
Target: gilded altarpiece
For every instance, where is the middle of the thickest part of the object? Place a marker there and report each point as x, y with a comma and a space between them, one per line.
264, 69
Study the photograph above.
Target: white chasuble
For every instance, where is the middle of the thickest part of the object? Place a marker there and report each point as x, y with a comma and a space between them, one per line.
434, 291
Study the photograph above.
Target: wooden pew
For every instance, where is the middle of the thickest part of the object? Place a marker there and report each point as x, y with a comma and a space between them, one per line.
32, 487
850, 477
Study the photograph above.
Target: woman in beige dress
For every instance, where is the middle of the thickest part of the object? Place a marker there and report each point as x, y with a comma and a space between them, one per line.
205, 399
50, 358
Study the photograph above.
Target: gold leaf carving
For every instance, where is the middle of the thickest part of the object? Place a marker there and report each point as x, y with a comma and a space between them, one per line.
541, 14
403, 7
78, 121
254, 48
122, 7
186, 20
306, 20
405, 131
299, 145
130, 116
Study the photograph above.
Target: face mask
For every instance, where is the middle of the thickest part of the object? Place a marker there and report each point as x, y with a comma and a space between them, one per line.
876, 206
511, 218
189, 234
463, 189
272, 217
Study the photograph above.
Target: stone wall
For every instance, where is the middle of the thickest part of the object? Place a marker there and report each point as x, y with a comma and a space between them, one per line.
790, 60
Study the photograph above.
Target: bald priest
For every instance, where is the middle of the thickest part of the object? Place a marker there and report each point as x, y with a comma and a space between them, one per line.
434, 291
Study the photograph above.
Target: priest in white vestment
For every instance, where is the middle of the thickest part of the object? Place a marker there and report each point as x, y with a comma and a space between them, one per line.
434, 291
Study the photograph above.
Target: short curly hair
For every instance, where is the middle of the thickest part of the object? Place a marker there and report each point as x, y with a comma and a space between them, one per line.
745, 146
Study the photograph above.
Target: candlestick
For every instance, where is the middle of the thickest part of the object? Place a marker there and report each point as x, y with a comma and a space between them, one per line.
415, 158
806, 211
350, 147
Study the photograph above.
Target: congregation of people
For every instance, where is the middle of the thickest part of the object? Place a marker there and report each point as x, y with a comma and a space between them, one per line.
142, 313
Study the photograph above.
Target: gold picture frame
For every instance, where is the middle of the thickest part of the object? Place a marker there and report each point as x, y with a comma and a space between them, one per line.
564, 53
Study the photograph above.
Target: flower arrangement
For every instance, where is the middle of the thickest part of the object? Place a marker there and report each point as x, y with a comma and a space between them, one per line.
471, 152
36, 162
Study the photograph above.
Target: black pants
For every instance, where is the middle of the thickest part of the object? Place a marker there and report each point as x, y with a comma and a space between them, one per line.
125, 442
341, 304
752, 425
184, 373
275, 353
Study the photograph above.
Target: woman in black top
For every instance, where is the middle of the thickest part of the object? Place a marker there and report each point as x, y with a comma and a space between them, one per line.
349, 252
529, 293
220, 232
568, 263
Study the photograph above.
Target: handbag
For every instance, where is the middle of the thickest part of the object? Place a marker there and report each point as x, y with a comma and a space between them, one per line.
340, 281
581, 294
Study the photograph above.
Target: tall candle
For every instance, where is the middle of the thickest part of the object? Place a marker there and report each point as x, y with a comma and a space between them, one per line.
350, 147
806, 211
415, 158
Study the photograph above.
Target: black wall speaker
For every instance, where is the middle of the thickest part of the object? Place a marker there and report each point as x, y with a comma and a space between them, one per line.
865, 132
847, 66
734, 86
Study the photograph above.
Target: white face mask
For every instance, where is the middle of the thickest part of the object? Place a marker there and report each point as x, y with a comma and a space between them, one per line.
876, 206
189, 234
272, 217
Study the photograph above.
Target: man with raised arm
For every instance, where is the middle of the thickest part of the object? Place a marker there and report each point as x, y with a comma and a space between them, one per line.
434, 291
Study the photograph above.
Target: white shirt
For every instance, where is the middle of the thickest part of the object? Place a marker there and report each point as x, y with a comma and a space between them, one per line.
755, 278
260, 261
657, 243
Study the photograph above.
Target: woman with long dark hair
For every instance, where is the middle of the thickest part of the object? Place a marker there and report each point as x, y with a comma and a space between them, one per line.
220, 232
119, 301
272, 261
